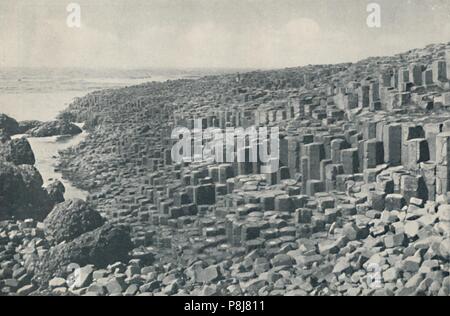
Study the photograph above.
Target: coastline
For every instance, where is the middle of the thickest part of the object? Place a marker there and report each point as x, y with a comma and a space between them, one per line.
79, 179
43, 103
46, 152
223, 215
352, 194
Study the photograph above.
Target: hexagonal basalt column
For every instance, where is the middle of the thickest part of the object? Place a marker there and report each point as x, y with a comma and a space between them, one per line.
442, 162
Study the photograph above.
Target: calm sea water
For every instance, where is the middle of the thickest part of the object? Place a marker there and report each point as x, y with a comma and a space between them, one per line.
28, 94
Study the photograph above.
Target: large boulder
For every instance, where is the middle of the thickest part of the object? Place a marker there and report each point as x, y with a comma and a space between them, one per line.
26, 126
21, 151
55, 128
21, 193
70, 220
17, 151
9, 125
4, 137
101, 247
56, 192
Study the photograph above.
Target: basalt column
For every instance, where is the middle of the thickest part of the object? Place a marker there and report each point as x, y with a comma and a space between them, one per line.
392, 141
442, 163
315, 153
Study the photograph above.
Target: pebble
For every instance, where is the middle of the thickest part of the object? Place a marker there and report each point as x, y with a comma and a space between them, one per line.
83, 277
115, 286
57, 283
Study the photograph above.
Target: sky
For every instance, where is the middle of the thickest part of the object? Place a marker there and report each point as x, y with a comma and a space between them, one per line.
213, 33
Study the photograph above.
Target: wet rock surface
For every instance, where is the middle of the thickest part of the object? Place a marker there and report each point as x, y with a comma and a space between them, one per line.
56, 192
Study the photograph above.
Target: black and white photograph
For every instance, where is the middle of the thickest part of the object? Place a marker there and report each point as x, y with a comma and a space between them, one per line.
233, 149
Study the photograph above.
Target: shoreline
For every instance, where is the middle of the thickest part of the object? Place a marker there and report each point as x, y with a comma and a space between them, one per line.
68, 179
46, 151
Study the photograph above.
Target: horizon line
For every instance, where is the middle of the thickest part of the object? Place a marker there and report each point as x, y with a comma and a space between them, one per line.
206, 68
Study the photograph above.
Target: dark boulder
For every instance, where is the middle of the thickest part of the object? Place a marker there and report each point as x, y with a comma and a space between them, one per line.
70, 220
4, 137
22, 153
56, 192
55, 128
9, 125
17, 151
26, 126
21, 193
101, 247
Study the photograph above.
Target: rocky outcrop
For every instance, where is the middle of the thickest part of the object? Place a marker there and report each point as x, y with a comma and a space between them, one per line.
70, 220
105, 245
22, 154
21, 193
55, 128
3, 136
56, 192
9, 125
335, 219
26, 126
17, 151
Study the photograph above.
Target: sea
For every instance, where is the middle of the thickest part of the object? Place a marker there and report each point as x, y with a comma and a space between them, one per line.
41, 94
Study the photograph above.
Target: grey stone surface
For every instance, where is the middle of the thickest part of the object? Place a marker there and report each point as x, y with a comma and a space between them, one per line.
55, 128
359, 203
71, 219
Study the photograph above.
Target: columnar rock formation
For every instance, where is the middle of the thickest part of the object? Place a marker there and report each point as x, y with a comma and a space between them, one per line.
358, 205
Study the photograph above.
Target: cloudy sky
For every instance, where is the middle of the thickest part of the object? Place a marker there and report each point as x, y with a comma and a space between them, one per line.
213, 33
